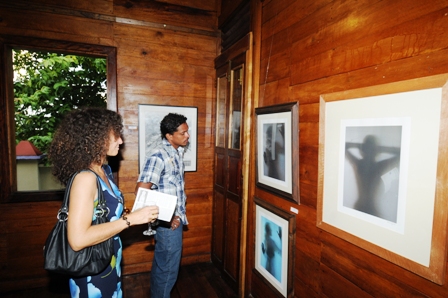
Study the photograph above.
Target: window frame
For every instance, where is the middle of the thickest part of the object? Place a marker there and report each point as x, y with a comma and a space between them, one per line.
8, 172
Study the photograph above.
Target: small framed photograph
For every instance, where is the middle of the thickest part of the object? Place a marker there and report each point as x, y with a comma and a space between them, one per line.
274, 247
277, 150
382, 171
149, 118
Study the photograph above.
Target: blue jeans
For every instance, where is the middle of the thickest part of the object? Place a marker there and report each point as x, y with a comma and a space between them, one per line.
165, 265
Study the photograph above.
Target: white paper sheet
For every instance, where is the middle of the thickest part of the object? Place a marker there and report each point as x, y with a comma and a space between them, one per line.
167, 203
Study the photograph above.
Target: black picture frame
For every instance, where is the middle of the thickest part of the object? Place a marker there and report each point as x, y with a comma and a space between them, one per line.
278, 160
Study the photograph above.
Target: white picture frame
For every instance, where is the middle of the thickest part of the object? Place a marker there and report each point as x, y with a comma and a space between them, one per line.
277, 150
149, 117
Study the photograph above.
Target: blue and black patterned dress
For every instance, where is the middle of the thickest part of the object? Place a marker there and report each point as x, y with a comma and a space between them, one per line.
108, 282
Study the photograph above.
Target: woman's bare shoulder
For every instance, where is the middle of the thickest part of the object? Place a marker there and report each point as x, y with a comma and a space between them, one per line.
85, 178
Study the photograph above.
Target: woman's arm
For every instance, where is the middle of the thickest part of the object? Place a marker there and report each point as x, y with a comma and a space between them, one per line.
81, 232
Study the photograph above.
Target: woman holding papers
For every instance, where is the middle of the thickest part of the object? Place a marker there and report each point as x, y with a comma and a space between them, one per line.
79, 148
163, 171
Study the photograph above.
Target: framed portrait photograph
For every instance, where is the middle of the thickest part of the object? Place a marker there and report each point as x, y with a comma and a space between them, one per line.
277, 150
274, 247
382, 174
149, 118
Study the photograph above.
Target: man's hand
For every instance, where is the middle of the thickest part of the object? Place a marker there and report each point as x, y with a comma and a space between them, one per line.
175, 222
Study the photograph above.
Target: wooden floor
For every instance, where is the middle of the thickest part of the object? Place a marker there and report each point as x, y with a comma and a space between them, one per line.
197, 280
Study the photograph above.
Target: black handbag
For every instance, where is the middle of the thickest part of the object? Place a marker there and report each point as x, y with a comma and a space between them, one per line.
59, 257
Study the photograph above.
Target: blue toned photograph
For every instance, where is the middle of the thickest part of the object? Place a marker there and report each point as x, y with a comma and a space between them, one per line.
271, 248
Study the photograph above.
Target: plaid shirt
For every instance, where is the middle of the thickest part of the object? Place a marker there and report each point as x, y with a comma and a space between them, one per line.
164, 168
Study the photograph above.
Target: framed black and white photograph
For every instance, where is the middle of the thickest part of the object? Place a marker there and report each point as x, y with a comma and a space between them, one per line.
274, 247
277, 150
382, 173
149, 118
375, 155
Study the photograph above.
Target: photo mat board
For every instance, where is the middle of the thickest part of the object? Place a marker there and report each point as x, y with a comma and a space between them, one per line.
277, 150
274, 247
149, 118
381, 159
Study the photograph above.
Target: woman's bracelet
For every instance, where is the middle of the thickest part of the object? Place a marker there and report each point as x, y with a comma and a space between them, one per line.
125, 218
127, 221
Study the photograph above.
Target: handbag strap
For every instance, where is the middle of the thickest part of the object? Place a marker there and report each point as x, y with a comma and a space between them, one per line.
100, 210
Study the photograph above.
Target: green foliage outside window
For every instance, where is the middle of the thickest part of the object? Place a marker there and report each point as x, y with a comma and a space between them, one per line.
47, 85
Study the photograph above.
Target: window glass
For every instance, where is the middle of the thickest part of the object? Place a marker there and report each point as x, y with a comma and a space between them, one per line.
221, 111
235, 106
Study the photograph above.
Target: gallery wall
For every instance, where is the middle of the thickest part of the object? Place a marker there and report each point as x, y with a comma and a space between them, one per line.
313, 48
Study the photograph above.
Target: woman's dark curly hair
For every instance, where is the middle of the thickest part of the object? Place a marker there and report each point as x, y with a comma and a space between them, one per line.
170, 123
81, 139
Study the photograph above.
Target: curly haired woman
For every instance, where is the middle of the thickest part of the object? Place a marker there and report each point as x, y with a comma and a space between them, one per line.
82, 142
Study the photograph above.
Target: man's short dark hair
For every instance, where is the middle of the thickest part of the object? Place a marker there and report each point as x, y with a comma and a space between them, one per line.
170, 123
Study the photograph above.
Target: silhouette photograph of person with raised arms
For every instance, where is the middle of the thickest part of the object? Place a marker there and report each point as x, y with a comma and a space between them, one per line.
375, 168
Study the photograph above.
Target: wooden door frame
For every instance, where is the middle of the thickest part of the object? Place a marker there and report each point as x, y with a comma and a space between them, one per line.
244, 45
247, 124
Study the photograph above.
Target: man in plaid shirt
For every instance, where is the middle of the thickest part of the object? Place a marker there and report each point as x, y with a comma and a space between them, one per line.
164, 171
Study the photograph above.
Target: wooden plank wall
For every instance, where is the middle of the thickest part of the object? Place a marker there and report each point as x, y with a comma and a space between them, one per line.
313, 47
165, 55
